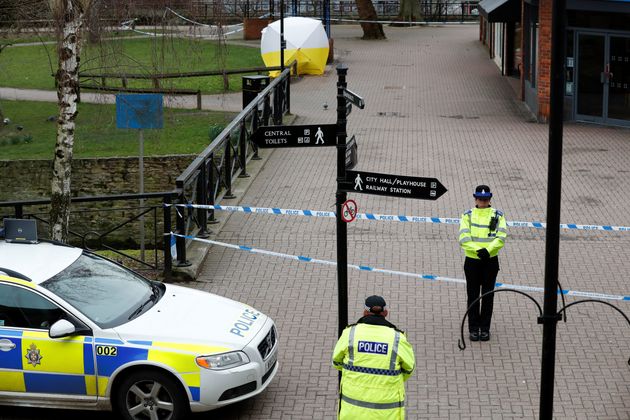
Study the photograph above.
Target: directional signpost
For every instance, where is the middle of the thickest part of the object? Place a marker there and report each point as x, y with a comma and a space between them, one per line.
316, 135
352, 158
355, 99
322, 135
393, 185
363, 182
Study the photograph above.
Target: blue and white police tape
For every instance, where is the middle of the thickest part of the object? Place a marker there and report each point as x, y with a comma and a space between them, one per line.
431, 277
392, 218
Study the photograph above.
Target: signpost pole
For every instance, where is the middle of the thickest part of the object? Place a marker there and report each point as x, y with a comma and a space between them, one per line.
282, 42
141, 176
341, 196
552, 245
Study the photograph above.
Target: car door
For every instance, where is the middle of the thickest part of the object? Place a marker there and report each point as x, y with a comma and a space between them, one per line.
32, 363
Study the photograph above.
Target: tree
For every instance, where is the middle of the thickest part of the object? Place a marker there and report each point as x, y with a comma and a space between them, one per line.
68, 16
409, 10
367, 12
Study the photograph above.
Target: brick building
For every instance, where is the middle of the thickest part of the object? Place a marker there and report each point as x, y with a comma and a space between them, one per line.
597, 89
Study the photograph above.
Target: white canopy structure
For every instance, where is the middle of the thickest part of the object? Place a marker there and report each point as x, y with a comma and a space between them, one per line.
306, 42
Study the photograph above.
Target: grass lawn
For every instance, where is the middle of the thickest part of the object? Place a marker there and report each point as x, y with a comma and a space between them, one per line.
184, 132
31, 67
48, 36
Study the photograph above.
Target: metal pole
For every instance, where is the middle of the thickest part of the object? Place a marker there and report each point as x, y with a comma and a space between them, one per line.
168, 258
141, 175
326, 7
341, 196
282, 42
550, 317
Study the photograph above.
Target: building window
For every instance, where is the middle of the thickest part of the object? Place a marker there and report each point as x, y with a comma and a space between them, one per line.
530, 53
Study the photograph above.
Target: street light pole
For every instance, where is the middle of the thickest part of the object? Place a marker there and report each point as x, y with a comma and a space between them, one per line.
283, 44
550, 317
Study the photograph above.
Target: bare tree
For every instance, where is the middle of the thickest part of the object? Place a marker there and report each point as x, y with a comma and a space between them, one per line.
68, 16
368, 12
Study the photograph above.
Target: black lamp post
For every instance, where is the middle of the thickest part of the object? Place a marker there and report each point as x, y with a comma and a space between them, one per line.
283, 44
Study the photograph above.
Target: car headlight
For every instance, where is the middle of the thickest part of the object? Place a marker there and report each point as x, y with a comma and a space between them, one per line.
222, 361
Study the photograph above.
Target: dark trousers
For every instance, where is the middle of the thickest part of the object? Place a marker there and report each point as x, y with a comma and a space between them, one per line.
480, 278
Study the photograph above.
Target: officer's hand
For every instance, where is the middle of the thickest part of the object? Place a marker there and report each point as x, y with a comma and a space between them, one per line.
483, 253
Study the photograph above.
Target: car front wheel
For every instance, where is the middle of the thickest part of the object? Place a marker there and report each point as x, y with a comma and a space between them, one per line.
151, 395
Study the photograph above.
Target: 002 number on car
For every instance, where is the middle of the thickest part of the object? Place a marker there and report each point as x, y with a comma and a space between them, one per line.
106, 351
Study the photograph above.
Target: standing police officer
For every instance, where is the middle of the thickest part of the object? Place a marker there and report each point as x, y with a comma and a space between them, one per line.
375, 359
482, 233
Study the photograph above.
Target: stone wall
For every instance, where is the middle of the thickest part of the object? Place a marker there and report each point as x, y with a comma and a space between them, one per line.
30, 179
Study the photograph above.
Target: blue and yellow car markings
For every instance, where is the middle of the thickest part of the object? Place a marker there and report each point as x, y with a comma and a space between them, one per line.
72, 366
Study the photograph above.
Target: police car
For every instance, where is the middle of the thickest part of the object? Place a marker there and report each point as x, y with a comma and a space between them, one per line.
79, 331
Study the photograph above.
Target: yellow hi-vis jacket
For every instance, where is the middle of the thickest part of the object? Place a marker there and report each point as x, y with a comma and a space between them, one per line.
475, 233
375, 361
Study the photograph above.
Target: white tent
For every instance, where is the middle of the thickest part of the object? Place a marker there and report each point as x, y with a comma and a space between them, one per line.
306, 42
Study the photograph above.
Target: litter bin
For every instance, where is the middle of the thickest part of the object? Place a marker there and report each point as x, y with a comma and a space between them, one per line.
252, 86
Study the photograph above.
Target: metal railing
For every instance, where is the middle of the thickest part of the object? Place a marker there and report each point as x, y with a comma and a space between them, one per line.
98, 239
430, 10
209, 178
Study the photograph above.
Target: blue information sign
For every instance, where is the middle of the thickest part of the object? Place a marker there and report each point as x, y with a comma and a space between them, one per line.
142, 110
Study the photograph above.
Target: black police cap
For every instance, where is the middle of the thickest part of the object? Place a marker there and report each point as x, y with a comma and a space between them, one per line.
482, 191
375, 300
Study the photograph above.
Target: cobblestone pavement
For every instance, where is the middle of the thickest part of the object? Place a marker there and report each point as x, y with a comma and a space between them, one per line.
436, 106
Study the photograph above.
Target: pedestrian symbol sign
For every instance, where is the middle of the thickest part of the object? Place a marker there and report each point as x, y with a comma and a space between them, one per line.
393, 185
296, 136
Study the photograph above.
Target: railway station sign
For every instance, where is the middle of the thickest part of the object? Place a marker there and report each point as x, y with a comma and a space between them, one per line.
393, 185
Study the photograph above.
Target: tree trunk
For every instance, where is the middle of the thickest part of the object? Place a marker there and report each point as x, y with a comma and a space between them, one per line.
367, 12
69, 18
409, 10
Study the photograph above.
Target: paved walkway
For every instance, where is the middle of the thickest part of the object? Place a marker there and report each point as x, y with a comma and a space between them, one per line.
436, 106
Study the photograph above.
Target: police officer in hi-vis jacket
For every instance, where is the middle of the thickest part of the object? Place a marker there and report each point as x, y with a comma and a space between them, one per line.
482, 233
375, 359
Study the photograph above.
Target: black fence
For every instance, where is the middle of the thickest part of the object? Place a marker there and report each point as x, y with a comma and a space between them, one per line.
101, 236
430, 11
207, 180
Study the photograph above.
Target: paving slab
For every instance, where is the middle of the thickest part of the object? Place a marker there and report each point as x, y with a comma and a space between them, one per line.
436, 106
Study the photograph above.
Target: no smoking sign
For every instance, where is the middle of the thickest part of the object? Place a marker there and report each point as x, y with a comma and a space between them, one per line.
349, 211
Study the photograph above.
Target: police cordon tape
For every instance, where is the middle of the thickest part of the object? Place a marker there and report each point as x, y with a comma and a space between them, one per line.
431, 277
392, 218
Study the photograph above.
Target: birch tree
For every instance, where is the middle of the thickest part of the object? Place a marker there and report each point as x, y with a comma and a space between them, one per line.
68, 16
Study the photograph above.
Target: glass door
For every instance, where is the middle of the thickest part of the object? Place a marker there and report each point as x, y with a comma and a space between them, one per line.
603, 78
619, 79
591, 53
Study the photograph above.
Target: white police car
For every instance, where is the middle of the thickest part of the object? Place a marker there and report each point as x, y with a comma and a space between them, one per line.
79, 331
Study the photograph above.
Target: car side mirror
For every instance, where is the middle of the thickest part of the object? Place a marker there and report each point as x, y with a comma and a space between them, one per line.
62, 328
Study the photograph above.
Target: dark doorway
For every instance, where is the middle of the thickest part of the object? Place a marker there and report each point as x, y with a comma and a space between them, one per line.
603, 78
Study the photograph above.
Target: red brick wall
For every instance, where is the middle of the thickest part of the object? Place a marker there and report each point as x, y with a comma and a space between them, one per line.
252, 27
544, 58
